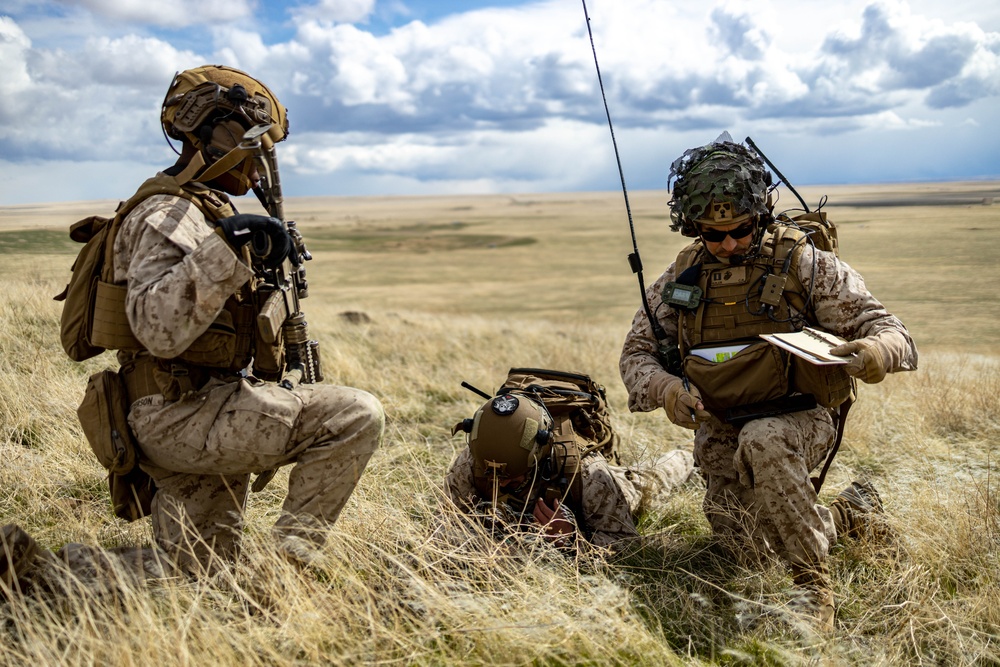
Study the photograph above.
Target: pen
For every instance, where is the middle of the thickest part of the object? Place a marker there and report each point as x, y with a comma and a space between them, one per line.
687, 388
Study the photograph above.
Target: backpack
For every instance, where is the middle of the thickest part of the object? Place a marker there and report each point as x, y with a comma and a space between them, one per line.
821, 230
90, 323
571, 396
93, 317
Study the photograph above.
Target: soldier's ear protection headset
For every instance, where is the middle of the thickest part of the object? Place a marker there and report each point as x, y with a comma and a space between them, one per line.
510, 436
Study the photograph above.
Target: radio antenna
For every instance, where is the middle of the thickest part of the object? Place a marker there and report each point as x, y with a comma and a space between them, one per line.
634, 261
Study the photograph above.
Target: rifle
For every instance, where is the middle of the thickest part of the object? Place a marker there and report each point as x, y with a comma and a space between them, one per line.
286, 283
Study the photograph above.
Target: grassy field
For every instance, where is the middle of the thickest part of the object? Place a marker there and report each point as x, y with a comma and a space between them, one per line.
462, 288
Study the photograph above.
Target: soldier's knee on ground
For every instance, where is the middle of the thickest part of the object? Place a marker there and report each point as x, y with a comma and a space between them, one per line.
196, 545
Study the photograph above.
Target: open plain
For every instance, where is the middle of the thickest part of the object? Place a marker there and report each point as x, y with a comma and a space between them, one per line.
409, 296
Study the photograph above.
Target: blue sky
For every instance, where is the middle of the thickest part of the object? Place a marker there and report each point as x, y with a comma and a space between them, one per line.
473, 96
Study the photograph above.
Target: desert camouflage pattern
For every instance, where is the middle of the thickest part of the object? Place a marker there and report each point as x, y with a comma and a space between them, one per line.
179, 273
611, 496
757, 483
757, 476
201, 450
77, 569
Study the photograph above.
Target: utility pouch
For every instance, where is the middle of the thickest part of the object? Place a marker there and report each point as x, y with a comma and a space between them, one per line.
216, 347
758, 372
103, 415
831, 385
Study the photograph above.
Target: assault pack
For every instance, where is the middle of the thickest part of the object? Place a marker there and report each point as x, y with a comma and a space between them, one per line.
93, 317
578, 405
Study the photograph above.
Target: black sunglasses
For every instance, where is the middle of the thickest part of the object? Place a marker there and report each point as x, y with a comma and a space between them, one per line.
718, 236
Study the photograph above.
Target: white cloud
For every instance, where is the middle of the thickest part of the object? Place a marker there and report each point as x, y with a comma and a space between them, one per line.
503, 97
168, 13
14, 45
336, 11
530, 156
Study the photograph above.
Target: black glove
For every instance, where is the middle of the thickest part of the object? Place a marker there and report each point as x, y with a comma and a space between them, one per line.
268, 238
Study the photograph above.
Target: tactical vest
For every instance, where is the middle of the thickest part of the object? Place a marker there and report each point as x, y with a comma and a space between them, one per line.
739, 303
94, 317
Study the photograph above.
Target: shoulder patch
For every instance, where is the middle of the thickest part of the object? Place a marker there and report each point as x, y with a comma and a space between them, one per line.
176, 218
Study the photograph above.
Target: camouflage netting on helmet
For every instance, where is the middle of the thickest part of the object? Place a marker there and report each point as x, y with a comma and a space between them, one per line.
722, 171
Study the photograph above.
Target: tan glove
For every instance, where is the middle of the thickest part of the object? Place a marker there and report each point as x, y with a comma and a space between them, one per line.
868, 364
683, 406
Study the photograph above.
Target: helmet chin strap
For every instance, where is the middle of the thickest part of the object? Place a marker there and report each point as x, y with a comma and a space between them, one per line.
227, 163
192, 168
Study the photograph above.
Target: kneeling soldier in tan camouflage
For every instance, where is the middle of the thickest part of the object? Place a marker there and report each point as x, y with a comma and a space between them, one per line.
220, 378
763, 419
542, 457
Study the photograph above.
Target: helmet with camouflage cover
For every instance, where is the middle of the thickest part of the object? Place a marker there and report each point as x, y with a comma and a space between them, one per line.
506, 436
211, 107
719, 184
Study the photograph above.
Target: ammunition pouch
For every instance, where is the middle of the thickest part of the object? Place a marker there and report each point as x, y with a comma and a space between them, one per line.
103, 414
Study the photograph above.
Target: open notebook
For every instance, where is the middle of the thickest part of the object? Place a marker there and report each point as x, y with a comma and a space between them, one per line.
812, 345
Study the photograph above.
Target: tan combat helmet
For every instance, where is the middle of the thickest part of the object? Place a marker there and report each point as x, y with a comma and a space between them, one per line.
211, 107
508, 436
719, 184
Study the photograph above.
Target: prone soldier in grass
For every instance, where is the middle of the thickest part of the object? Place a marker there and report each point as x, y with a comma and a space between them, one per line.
542, 458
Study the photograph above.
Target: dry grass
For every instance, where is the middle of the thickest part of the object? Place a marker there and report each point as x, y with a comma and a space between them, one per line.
462, 289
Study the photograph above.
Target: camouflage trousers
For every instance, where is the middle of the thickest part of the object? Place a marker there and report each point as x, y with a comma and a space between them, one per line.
80, 569
758, 484
648, 486
201, 451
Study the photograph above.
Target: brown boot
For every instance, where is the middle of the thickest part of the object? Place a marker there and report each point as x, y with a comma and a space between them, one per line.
817, 599
857, 513
17, 554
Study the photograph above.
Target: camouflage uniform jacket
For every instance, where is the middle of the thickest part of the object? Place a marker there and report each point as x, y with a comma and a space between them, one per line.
840, 300
179, 271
